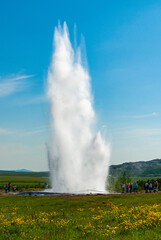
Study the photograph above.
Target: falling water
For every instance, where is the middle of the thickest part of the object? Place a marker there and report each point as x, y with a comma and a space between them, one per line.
78, 157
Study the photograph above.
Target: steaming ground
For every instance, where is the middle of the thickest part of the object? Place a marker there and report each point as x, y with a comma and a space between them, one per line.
78, 157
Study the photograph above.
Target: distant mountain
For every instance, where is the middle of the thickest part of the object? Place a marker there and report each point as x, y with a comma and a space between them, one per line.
150, 168
18, 170
22, 170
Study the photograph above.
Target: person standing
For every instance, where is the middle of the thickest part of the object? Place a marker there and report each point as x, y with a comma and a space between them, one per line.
9, 186
150, 187
129, 188
135, 187
6, 188
156, 186
123, 188
46, 186
14, 188
146, 187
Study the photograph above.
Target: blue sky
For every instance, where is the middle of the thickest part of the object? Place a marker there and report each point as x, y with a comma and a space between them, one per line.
123, 46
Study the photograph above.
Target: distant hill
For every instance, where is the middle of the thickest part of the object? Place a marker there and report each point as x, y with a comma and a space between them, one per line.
22, 170
150, 168
18, 170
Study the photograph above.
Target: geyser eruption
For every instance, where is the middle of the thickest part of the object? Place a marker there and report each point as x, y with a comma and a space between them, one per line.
78, 158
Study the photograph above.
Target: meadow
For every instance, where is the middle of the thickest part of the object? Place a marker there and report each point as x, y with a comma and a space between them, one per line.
24, 180
136, 216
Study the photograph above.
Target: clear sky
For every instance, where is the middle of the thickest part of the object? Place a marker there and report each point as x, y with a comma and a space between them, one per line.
123, 46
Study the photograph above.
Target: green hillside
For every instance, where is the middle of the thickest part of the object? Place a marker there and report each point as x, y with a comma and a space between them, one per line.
138, 169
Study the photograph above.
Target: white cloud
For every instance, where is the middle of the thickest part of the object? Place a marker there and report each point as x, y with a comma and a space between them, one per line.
37, 131
137, 133
15, 83
145, 132
33, 100
4, 131
153, 114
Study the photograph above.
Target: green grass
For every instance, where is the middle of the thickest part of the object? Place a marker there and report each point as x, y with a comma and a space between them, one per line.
87, 217
24, 174
24, 181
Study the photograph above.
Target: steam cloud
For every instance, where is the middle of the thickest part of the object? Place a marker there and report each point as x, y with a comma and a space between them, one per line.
78, 158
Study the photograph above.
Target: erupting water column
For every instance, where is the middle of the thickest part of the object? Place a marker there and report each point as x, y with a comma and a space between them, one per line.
78, 158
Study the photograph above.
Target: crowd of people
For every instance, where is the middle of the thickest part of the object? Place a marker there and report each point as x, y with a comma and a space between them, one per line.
10, 187
149, 187
129, 188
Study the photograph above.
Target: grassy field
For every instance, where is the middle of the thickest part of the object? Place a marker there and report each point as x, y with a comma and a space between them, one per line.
89, 217
24, 180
